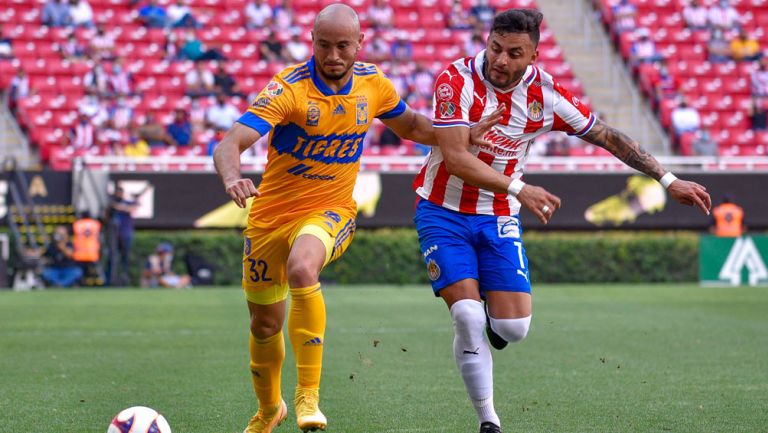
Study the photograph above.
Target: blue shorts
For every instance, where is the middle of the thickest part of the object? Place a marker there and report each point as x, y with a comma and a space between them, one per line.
456, 246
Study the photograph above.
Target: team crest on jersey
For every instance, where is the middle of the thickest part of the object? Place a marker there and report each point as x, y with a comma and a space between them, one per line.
313, 114
274, 89
447, 109
433, 270
444, 92
261, 102
362, 111
535, 111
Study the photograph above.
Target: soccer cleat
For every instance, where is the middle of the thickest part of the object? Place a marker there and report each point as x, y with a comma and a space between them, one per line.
308, 415
497, 342
266, 420
489, 427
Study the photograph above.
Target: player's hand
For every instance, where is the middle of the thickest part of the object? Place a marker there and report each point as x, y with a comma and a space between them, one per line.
539, 201
478, 131
240, 190
691, 194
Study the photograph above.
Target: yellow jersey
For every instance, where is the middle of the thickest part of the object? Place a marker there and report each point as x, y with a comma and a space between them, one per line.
316, 139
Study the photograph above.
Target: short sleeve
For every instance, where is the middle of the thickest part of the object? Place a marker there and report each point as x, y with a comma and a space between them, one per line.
391, 103
273, 105
449, 100
571, 115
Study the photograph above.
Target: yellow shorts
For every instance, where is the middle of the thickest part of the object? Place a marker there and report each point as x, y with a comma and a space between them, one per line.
265, 254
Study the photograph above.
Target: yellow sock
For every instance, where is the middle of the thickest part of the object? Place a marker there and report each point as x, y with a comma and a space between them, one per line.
306, 328
266, 362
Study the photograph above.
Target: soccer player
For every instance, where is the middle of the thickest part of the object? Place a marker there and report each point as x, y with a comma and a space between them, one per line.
303, 214
470, 196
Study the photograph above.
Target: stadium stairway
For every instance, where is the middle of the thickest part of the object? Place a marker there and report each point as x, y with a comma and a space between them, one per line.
12, 141
601, 71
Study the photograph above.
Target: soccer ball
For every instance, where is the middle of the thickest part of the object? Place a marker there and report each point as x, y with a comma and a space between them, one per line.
139, 419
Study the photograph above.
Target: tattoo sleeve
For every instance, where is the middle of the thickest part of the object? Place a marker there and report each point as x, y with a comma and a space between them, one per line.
625, 148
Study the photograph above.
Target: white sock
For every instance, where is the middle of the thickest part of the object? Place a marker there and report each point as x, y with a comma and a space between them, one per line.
473, 357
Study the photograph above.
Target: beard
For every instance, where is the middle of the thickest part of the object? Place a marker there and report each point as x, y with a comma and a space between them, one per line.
334, 76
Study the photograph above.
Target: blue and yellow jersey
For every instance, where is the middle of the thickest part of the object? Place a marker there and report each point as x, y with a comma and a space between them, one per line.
316, 138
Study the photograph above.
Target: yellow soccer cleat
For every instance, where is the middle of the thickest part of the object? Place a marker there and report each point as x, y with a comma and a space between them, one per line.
308, 415
266, 420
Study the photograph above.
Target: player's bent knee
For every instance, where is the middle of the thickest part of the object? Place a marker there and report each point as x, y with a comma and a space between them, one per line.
468, 317
512, 330
264, 327
301, 273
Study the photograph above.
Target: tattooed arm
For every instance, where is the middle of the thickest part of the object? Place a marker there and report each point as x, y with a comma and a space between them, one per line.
624, 148
631, 153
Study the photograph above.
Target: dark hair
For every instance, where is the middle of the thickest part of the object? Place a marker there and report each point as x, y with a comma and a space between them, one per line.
519, 21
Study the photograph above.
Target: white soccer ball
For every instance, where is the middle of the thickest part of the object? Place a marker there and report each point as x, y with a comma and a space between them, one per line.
139, 419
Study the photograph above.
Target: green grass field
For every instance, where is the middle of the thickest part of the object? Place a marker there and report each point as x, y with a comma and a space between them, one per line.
642, 358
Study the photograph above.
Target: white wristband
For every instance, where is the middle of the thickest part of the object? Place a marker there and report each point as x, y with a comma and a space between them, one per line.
515, 187
667, 179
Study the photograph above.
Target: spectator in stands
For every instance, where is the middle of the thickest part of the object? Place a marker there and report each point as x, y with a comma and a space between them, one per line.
82, 134
158, 270
172, 47
56, 14
225, 83
423, 82
696, 16
96, 81
644, 49
102, 45
136, 147
61, 269
685, 118
758, 114
402, 49
624, 14
18, 89
200, 81
181, 129
80, 13
557, 145
215, 139
153, 15
222, 115
376, 48
474, 44
481, 15
457, 18
381, 15
283, 15
6, 44
296, 50
119, 113
723, 16
665, 86
120, 80
703, 144
759, 79
120, 218
180, 15
258, 15
72, 49
90, 105
745, 47
718, 48
271, 49
194, 49
154, 133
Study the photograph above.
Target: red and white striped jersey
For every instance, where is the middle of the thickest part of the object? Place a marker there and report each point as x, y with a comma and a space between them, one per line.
462, 97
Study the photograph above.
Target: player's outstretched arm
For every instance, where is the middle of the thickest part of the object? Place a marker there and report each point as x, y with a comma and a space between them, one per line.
226, 158
632, 154
416, 127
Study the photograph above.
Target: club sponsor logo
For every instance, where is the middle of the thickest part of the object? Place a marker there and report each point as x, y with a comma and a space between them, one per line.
508, 227
498, 139
575, 101
313, 114
429, 251
444, 92
261, 102
247, 247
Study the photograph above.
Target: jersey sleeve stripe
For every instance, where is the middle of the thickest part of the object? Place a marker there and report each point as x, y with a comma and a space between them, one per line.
445, 124
587, 128
398, 110
255, 122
